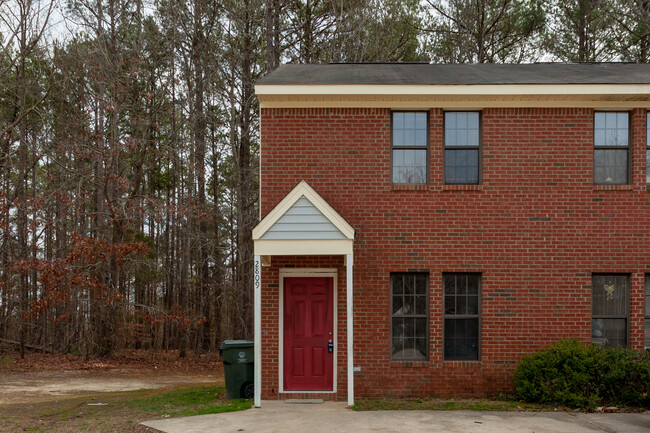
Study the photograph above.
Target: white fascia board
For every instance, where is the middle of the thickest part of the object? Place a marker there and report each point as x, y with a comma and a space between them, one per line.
281, 208
303, 247
458, 89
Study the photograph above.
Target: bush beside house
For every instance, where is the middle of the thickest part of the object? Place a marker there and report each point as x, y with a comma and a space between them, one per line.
584, 375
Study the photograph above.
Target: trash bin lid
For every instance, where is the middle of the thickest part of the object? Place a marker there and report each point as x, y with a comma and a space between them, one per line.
235, 344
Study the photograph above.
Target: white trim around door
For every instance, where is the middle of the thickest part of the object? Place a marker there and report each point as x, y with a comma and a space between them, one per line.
307, 272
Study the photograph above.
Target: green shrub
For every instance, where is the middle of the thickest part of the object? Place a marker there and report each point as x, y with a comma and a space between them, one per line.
581, 375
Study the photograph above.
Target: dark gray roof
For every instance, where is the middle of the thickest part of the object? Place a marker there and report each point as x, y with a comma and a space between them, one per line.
417, 73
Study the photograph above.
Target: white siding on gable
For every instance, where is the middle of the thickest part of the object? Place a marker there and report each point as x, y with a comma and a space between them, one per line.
303, 221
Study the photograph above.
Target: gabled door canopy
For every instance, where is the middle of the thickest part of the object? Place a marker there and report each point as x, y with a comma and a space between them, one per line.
303, 223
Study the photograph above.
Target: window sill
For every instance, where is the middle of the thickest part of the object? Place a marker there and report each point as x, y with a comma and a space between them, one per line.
408, 187
409, 364
463, 364
462, 187
613, 187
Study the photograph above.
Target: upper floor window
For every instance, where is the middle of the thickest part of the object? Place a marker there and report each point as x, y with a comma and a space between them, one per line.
409, 316
462, 301
410, 145
609, 316
611, 148
462, 145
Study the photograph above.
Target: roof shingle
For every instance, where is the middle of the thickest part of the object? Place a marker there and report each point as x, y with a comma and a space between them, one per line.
459, 74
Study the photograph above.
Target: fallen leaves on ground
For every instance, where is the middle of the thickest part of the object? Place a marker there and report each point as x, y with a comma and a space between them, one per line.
139, 360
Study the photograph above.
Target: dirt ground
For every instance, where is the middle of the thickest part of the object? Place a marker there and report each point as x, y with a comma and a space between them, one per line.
65, 394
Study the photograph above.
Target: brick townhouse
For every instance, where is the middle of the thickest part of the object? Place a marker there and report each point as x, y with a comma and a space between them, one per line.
424, 226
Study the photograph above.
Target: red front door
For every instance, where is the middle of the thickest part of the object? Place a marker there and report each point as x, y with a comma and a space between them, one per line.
308, 329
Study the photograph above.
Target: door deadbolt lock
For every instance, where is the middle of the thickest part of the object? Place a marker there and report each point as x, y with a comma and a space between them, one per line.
330, 347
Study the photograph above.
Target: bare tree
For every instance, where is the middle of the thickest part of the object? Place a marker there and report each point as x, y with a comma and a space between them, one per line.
484, 31
581, 30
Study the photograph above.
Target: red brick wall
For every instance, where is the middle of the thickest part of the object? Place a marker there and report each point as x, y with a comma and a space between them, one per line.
537, 228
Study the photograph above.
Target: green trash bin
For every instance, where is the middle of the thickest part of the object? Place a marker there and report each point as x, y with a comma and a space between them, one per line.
238, 368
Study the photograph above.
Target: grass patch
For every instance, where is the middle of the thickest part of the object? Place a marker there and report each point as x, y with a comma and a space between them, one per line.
200, 400
121, 412
445, 404
6, 360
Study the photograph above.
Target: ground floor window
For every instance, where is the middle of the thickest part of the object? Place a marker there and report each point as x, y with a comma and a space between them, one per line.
462, 303
409, 316
610, 306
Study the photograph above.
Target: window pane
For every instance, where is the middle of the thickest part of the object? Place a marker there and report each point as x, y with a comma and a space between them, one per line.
450, 284
407, 306
599, 137
461, 339
450, 304
421, 282
472, 305
461, 294
461, 128
420, 136
461, 304
610, 166
451, 138
410, 129
421, 121
420, 304
409, 166
421, 347
397, 345
420, 330
398, 304
409, 284
461, 284
611, 129
461, 119
609, 332
461, 166
398, 138
409, 339
398, 327
472, 284
461, 136
398, 121
409, 137
610, 295
409, 121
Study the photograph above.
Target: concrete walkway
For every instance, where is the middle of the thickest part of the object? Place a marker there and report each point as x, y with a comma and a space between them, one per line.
280, 417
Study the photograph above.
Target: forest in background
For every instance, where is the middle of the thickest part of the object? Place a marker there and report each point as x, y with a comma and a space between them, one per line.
129, 143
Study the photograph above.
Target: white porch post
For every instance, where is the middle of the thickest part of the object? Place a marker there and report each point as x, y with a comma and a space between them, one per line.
348, 285
257, 300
